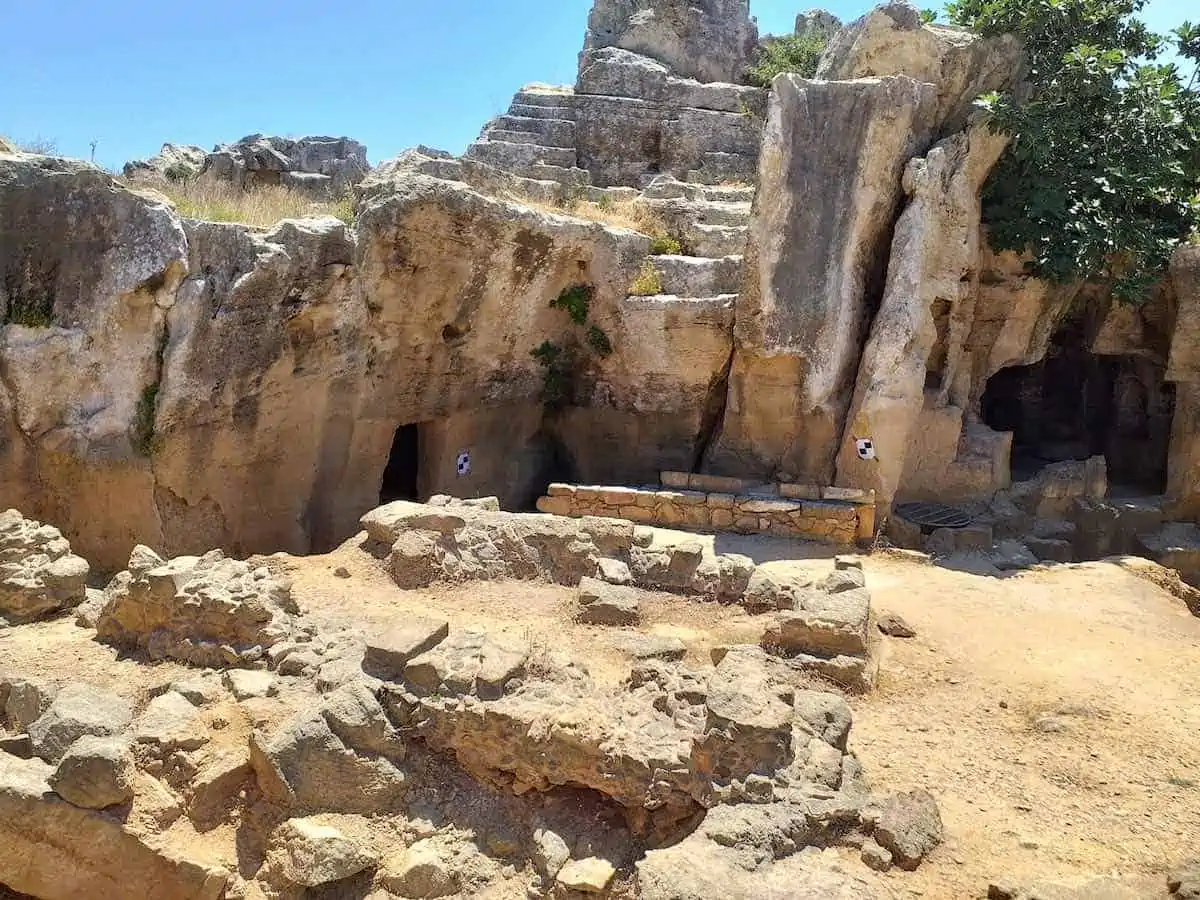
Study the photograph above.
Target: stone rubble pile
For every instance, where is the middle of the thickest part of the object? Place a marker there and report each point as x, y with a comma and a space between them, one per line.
39, 575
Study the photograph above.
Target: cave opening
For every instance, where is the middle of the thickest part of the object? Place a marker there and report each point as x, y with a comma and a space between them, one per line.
1074, 404
403, 466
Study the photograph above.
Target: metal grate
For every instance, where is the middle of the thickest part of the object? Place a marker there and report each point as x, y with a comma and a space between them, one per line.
933, 515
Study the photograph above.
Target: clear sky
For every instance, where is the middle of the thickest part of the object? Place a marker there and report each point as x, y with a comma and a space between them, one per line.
132, 74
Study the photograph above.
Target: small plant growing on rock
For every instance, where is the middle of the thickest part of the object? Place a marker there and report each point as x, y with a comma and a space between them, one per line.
32, 312
665, 245
559, 365
648, 281
797, 54
576, 302
598, 340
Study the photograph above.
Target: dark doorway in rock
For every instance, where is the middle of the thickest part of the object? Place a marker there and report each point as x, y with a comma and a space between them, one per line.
554, 463
403, 465
1074, 404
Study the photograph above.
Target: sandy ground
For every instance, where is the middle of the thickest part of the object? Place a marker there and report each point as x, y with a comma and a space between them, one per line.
1053, 714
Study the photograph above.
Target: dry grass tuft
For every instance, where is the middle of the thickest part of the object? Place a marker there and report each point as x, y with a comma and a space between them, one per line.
628, 214
210, 200
648, 282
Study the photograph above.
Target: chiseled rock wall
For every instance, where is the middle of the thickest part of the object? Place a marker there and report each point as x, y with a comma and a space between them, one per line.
190, 385
1183, 475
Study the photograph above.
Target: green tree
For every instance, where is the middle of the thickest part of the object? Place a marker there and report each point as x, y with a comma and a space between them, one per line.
1102, 174
789, 53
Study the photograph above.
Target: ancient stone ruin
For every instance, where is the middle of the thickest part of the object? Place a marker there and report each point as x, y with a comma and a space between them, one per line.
660, 359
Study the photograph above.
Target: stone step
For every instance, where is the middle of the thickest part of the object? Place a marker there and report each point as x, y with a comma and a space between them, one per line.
659, 301
555, 132
728, 193
692, 276
544, 98
719, 168
529, 137
527, 111
664, 187
510, 157
566, 175
715, 240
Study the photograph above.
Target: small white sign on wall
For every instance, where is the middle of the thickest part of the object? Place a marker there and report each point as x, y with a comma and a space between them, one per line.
462, 465
866, 448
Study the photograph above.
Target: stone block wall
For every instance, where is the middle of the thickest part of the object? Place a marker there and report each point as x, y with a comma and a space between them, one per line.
827, 520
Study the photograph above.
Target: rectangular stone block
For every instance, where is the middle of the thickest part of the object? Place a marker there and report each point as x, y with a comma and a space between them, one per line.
748, 524
555, 506
639, 514
561, 490
800, 491
587, 493
619, 496
866, 524
718, 484
647, 499
840, 493
721, 501
831, 510
675, 479
769, 506
692, 498
722, 518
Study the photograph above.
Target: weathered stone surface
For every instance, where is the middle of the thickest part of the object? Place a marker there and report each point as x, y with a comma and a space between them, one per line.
817, 23
1184, 881
468, 662
825, 625
244, 683
827, 715
1183, 467
928, 305
39, 574
601, 603
419, 871
389, 650
713, 40
23, 700
168, 723
803, 308
95, 773
333, 165
78, 710
207, 610
174, 162
894, 625
892, 40
909, 826
649, 646
308, 853
305, 764
51, 849
588, 876
387, 523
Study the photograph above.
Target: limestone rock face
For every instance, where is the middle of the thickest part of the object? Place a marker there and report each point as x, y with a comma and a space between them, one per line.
919, 333
709, 40
88, 271
817, 23
308, 853
1183, 477
95, 773
832, 162
207, 611
322, 167
38, 572
892, 40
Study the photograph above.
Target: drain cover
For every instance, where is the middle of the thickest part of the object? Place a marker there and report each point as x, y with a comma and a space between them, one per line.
933, 515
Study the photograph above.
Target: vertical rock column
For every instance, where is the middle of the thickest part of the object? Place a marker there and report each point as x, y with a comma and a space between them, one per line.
1183, 464
829, 192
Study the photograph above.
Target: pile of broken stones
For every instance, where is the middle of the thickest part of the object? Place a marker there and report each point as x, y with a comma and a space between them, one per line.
423, 761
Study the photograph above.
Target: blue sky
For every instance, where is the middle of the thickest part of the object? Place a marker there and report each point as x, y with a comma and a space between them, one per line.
132, 74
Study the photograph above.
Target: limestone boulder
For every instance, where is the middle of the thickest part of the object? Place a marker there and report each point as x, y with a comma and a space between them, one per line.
95, 773
50, 848
909, 827
817, 23
892, 39
833, 158
206, 611
39, 574
601, 603
78, 710
174, 162
712, 40
308, 853
23, 700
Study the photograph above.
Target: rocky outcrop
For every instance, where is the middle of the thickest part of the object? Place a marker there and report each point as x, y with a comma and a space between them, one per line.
324, 168
713, 40
174, 162
917, 338
817, 23
806, 303
893, 40
39, 574
206, 611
